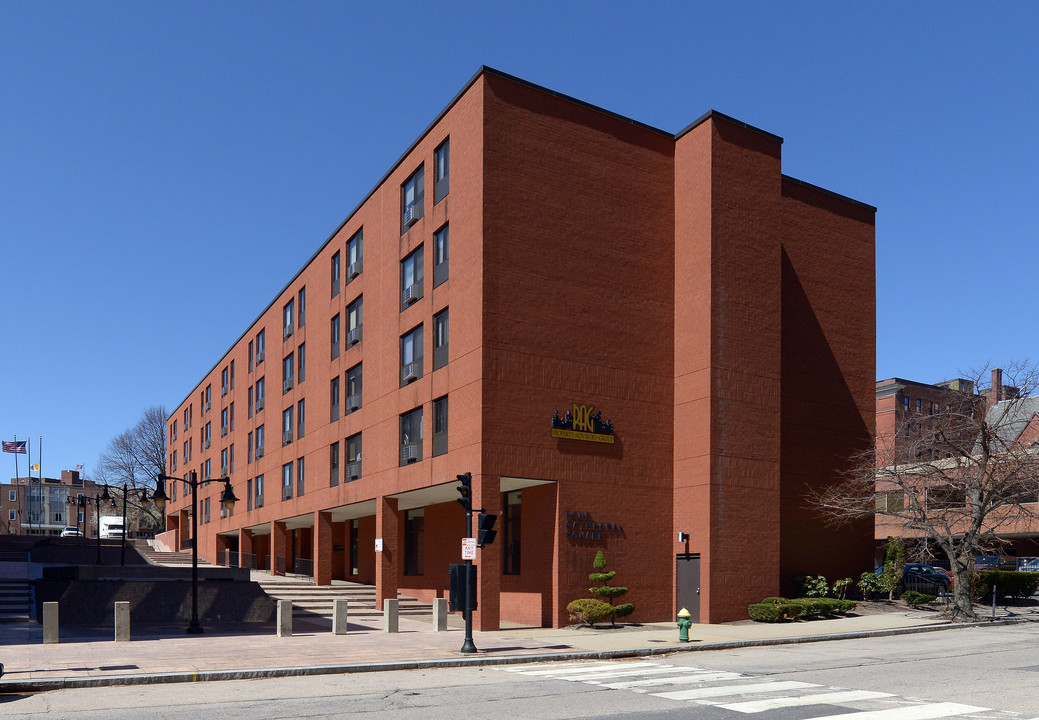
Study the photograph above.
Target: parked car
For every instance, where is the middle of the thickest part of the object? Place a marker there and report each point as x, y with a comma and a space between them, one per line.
922, 578
71, 532
986, 562
1028, 564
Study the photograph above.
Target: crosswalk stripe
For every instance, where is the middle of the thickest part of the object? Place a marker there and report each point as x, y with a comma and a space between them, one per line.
735, 690
586, 670
594, 677
829, 698
544, 666
698, 677
914, 712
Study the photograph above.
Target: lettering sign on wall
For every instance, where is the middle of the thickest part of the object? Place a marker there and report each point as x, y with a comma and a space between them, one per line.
581, 526
581, 424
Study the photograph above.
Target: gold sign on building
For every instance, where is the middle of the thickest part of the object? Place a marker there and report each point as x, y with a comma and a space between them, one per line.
581, 423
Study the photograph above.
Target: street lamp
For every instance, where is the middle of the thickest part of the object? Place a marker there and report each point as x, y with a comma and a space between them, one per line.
144, 501
227, 499
98, 499
78, 504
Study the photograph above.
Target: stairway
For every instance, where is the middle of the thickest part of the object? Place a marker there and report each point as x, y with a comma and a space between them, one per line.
181, 558
310, 600
14, 600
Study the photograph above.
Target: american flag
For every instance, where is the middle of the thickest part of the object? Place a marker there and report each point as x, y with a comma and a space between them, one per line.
14, 446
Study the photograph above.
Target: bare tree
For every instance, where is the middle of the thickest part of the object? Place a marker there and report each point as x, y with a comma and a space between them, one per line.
134, 457
963, 478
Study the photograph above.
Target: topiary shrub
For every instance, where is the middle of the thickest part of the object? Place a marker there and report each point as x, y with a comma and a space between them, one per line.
588, 611
607, 591
916, 599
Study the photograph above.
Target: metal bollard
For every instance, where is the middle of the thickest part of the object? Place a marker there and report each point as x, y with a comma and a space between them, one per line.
50, 622
122, 621
339, 624
390, 615
284, 618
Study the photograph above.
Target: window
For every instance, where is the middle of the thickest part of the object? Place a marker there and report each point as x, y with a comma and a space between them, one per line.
890, 501
335, 274
354, 321
230, 459
206, 470
11, 515
208, 434
353, 388
208, 399
259, 442
173, 490
355, 256
174, 433
301, 302
333, 464
258, 485
223, 382
223, 423
301, 362
299, 477
286, 426
411, 278
288, 365
411, 356
440, 426
334, 398
261, 386
411, 436
186, 420
412, 194
173, 466
941, 498
335, 337
249, 494
353, 457
441, 174
286, 481
232, 374
299, 418
919, 404
288, 314
251, 354
249, 449
906, 401
205, 510
230, 416
260, 346
223, 463
440, 256
12, 494
414, 529
440, 339
185, 455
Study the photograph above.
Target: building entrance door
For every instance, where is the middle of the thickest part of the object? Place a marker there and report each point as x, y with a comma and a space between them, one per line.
687, 585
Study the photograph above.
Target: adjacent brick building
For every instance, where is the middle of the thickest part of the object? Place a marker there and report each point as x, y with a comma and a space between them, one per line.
636, 341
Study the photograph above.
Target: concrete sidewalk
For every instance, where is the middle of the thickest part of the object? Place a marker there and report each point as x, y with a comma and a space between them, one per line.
90, 657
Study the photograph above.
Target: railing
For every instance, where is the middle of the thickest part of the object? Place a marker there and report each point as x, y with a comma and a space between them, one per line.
279, 565
249, 560
303, 567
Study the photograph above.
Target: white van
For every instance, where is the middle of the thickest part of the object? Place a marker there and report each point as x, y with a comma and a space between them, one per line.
111, 527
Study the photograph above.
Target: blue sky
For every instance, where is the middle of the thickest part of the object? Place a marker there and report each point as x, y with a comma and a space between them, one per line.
166, 167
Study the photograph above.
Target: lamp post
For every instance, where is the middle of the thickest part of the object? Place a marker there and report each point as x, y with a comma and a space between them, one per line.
144, 501
227, 499
104, 496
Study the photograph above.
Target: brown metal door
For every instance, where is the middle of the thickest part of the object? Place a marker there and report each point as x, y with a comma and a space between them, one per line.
687, 585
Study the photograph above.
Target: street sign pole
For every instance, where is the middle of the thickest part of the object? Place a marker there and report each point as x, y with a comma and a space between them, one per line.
468, 646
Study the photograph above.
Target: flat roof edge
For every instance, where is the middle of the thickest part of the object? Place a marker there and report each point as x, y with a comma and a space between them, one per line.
729, 119
831, 193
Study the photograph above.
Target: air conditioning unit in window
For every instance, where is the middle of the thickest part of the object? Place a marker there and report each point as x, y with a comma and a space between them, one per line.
412, 452
353, 336
288, 330
411, 294
353, 402
287, 385
259, 452
286, 437
412, 371
223, 430
353, 471
259, 405
208, 404
223, 471
354, 269
410, 215
259, 357
223, 390
207, 443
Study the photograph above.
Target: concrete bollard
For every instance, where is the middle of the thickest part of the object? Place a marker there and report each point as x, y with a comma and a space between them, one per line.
439, 614
339, 616
390, 615
284, 618
122, 621
50, 622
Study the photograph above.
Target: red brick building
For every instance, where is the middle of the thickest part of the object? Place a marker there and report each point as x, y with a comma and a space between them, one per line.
622, 333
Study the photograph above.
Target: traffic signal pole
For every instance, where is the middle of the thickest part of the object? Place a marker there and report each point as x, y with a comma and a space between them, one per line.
466, 500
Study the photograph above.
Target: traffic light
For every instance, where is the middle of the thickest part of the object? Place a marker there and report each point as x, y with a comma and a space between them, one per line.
465, 489
485, 524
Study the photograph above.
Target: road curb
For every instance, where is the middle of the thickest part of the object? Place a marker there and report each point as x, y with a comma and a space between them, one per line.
8, 687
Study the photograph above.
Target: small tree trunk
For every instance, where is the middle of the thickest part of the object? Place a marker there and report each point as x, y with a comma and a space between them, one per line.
961, 602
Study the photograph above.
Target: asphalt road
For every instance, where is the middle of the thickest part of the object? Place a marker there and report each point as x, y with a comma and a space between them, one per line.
980, 673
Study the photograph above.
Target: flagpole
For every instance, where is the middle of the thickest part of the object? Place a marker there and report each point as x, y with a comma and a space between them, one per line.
16, 480
28, 449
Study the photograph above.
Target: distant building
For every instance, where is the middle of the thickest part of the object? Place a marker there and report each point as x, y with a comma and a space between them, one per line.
658, 345
40, 506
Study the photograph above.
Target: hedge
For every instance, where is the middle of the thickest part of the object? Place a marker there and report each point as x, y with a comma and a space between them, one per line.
777, 609
1009, 583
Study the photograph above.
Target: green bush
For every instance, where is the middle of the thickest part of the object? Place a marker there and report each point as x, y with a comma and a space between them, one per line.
775, 612
827, 607
589, 611
606, 591
810, 585
1009, 584
916, 599
840, 588
870, 583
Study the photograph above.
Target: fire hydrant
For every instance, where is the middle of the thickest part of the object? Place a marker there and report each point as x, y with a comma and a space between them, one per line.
683, 625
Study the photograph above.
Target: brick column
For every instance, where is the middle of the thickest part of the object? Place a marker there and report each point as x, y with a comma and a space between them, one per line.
487, 495
245, 545
279, 547
387, 521
322, 548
